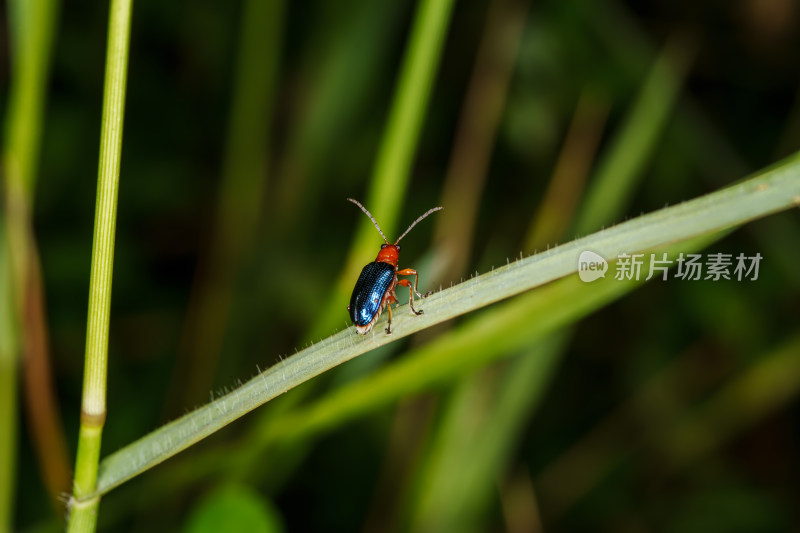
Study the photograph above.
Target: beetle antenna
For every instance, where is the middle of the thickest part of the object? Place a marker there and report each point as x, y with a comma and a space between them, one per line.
373, 218
423, 215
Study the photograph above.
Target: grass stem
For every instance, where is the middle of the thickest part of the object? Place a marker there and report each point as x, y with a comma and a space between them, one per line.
83, 507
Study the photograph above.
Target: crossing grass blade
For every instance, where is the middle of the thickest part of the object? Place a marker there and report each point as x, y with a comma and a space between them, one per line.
775, 189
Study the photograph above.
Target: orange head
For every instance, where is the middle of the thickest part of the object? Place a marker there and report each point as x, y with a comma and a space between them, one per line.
390, 252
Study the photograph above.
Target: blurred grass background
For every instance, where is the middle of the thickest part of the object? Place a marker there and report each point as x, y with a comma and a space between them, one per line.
248, 123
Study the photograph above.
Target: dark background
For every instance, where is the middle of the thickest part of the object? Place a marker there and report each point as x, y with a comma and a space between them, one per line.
736, 113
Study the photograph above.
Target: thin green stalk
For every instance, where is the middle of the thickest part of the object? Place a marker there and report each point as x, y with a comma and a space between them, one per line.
31, 28
632, 147
477, 436
8, 387
389, 182
627, 42
336, 99
244, 177
474, 141
84, 503
776, 189
557, 210
434, 489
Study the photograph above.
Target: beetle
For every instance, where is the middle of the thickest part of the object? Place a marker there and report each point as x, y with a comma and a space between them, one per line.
374, 289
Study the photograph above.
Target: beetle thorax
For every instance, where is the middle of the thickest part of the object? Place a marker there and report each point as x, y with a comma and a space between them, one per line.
389, 254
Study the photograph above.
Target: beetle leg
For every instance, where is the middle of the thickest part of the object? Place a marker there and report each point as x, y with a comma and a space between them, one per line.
412, 272
389, 323
406, 283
